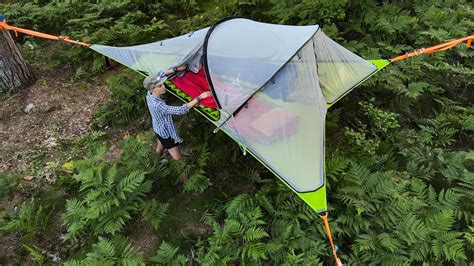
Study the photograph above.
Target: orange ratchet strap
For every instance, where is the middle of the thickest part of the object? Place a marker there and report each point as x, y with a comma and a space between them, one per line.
434, 49
324, 217
4, 25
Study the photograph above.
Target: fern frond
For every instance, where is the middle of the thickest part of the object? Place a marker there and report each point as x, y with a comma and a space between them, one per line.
131, 182
168, 255
254, 233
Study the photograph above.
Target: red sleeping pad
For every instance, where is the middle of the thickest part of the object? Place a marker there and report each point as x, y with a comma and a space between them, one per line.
194, 84
265, 122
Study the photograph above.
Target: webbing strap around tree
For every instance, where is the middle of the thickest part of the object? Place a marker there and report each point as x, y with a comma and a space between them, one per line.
324, 217
434, 49
4, 25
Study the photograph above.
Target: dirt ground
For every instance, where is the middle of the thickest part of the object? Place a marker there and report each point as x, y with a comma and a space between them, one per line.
60, 109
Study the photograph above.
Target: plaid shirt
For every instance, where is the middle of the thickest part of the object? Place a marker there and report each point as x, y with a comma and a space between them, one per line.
161, 116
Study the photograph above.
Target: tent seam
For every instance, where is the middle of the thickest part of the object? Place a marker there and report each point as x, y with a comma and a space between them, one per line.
204, 54
274, 74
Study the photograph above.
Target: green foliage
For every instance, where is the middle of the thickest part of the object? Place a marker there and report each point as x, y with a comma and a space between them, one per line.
241, 238
38, 255
3, 96
127, 101
307, 12
154, 213
468, 121
359, 140
192, 175
271, 227
115, 251
392, 216
8, 183
111, 193
91, 139
380, 121
31, 220
197, 182
105, 22
385, 217
168, 255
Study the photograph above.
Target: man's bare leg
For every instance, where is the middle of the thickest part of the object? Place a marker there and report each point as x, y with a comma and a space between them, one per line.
159, 148
176, 153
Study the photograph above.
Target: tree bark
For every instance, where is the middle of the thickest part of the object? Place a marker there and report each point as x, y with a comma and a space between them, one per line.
14, 73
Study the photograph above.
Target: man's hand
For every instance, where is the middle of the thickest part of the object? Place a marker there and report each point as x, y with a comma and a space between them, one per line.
171, 71
182, 67
195, 101
205, 94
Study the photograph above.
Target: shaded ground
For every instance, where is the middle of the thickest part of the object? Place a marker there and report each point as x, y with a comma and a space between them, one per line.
60, 110
143, 237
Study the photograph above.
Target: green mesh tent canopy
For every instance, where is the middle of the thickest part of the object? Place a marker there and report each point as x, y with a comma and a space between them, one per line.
272, 85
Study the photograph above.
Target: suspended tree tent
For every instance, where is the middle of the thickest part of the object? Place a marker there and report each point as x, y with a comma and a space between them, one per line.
272, 85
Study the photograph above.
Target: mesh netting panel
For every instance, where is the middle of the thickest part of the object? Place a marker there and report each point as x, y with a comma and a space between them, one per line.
153, 57
283, 124
339, 69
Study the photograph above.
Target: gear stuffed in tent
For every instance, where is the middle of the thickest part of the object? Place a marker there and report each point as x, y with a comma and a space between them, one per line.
271, 86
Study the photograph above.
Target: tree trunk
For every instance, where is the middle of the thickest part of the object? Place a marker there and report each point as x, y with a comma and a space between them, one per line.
14, 73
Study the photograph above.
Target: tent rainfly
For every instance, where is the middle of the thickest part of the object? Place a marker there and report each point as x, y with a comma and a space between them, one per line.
272, 85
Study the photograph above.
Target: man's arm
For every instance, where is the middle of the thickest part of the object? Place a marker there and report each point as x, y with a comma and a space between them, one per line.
182, 109
172, 110
175, 70
195, 101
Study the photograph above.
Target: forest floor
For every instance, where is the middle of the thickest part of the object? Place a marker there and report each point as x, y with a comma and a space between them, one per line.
33, 123
60, 109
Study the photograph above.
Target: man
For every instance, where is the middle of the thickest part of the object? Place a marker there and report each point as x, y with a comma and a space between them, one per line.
161, 113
